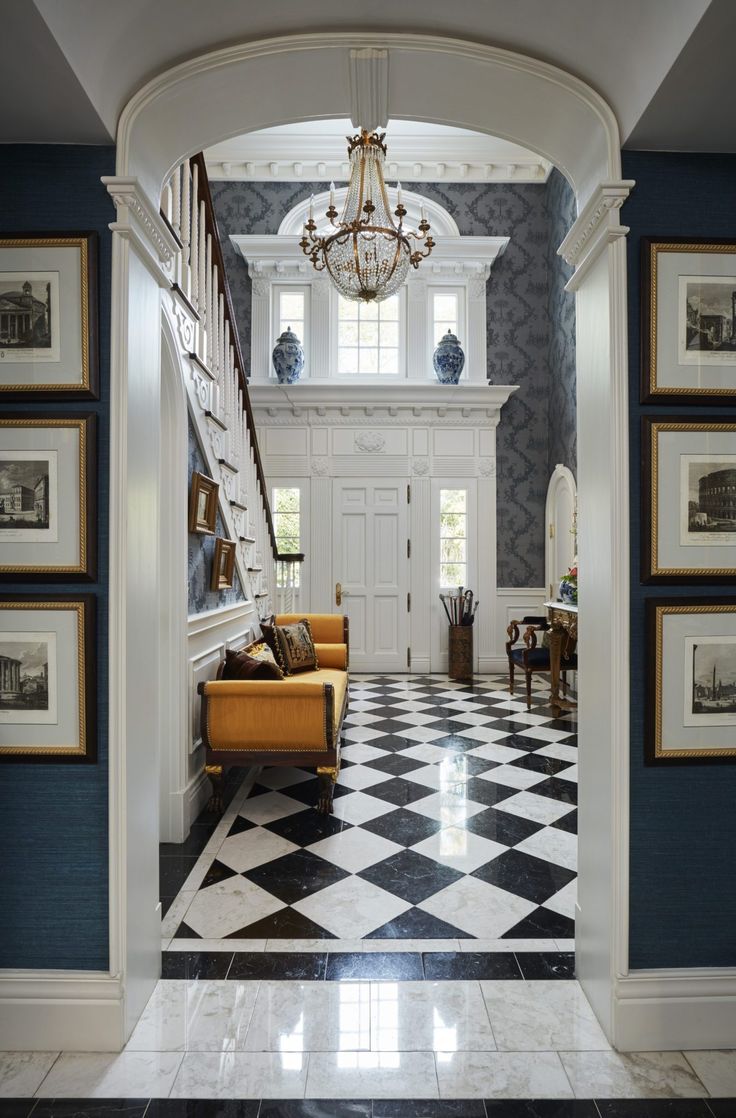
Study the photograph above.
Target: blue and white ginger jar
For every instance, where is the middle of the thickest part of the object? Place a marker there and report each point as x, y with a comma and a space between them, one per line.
288, 357
448, 359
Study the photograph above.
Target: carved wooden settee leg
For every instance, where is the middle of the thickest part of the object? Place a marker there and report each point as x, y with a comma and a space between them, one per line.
215, 802
327, 778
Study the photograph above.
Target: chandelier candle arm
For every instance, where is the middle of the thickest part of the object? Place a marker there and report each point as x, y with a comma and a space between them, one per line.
368, 255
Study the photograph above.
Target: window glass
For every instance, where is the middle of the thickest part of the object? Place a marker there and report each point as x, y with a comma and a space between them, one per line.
368, 337
291, 312
445, 314
286, 512
453, 537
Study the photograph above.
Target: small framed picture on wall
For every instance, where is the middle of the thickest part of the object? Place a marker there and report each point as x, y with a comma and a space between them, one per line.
223, 565
203, 504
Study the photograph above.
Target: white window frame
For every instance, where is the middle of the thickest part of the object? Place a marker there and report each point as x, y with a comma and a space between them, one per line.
384, 378
276, 291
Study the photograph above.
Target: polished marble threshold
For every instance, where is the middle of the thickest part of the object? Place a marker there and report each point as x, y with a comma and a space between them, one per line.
355, 945
392, 966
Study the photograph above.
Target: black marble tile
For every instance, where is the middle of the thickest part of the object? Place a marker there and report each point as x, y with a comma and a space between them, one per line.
173, 872
306, 827
546, 964
82, 1108
287, 923
542, 924
195, 964
532, 878
302, 966
411, 876
454, 739
315, 1108
195, 842
566, 791
470, 965
390, 726
722, 1108
377, 965
404, 827
415, 923
395, 764
428, 1108
399, 791
239, 825
217, 872
166, 903
17, 1108
655, 1108
488, 792
540, 764
185, 932
520, 741
296, 875
541, 1108
203, 1108
308, 792
501, 826
392, 743
568, 823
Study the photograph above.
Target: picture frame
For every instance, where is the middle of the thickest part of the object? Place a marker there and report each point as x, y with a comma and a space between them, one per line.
48, 690
48, 496
688, 503
223, 565
688, 320
691, 717
49, 343
203, 493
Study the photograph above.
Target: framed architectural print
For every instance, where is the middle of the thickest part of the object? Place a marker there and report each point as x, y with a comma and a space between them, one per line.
203, 504
692, 677
48, 483
688, 321
47, 679
689, 500
223, 565
48, 316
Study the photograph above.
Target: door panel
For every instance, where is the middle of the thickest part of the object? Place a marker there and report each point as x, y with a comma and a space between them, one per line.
369, 560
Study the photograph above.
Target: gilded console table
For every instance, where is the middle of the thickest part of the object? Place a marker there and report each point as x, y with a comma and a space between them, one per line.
563, 636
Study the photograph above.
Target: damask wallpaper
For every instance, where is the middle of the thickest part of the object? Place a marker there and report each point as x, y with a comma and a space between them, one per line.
201, 552
520, 342
562, 412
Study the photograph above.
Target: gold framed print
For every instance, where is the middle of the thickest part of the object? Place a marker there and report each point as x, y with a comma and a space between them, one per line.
203, 504
223, 565
689, 499
48, 316
692, 679
47, 679
48, 483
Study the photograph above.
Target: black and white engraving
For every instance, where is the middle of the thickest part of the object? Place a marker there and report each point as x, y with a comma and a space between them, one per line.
26, 319
24, 493
711, 506
24, 675
714, 678
710, 316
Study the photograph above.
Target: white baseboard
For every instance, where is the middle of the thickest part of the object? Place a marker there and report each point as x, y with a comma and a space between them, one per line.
49, 1011
196, 794
420, 665
666, 1010
493, 665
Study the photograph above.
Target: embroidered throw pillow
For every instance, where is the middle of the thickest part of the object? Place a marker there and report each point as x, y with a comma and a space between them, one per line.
262, 652
241, 665
295, 648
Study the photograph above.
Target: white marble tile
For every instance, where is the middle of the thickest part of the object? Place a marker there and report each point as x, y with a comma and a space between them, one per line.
431, 776
613, 1075
319, 945
270, 806
418, 718
530, 719
311, 1017
446, 807
540, 809
496, 751
560, 751
551, 844
220, 832
412, 704
361, 718
196, 1016
241, 1075
361, 733
429, 1016
422, 733
544, 733
351, 908
542, 1017
508, 945
165, 941
716, 1070
460, 849
428, 753
378, 1075
570, 773
359, 807
197, 873
22, 1073
565, 944
252, 848
354, 850
358, 777
564, 901
224, 908
217, 944
409, 944
513, 777
359, 752
487, 735
103, 1075
478, 908
175, 912
501, 1075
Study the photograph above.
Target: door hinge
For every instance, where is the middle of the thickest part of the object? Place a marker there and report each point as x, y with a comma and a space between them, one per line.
408, 549
551, 531
408, 494
408, 657
408, 602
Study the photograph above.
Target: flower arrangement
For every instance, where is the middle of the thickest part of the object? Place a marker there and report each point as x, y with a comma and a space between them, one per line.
569, 584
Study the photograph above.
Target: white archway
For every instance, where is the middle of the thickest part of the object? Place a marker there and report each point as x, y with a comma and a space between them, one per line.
256, 85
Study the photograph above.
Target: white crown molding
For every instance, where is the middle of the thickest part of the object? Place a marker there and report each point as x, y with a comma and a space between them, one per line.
291, 165
596, 226
139, 221
337, 402
369, 88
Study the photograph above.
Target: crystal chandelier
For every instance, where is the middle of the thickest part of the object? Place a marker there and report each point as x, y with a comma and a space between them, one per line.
368, 254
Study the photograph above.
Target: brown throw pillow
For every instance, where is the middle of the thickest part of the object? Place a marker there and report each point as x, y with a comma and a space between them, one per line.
295, 648
268, 632
240, 665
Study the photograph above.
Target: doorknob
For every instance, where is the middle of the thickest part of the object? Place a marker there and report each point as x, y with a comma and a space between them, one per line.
338, 593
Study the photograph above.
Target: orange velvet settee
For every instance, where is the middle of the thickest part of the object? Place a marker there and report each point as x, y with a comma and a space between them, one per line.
292, 721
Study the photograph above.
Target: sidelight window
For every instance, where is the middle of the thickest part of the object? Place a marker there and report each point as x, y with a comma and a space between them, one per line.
453, 537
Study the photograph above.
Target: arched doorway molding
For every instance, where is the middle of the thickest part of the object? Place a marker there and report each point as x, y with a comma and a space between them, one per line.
469, 85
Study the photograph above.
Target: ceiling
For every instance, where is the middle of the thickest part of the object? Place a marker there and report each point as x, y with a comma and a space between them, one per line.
665, 66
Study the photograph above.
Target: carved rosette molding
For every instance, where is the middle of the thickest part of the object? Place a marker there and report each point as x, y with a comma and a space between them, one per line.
139, 221
366, 442
596, 226
486, 467
321, 467
420, 467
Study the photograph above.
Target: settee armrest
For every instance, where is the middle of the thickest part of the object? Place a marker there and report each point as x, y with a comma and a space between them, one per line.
275, 714
332, 656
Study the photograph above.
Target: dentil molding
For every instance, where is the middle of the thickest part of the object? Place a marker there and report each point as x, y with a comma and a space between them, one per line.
596, 226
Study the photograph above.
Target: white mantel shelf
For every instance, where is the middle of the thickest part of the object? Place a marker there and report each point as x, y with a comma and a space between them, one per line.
343, 397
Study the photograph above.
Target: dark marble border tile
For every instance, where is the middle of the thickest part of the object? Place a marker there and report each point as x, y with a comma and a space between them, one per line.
541, 1108
722, 1108
16, 1108
428, 1108
306, 966
195, 964
653, 1108
203, 1108
315, 1108
546, 964
469, 965
377, 965
88, 1108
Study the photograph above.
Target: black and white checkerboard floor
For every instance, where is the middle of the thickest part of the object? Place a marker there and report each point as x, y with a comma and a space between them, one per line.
454, 819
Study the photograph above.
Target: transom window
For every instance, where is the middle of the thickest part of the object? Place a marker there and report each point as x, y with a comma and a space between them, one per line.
369, 337
453, 537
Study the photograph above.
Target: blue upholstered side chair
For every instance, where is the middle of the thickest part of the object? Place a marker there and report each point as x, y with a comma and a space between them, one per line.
531, 655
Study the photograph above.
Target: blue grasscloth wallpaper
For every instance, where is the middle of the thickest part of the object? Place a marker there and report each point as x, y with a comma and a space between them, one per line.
202, 549
683, 824
562, 405
530, 323
53, 818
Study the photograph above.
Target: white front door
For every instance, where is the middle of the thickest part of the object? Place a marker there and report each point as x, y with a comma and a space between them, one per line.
370, 563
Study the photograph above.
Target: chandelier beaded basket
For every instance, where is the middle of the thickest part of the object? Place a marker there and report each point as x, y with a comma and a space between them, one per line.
368, 256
